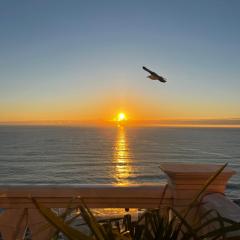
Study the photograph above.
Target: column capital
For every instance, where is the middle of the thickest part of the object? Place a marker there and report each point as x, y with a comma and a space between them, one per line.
187, 179
194, 173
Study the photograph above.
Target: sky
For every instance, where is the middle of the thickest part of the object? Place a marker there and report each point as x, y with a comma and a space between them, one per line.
82, 60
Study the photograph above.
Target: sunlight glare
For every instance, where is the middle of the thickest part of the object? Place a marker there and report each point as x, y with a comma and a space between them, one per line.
121, 117
122, 159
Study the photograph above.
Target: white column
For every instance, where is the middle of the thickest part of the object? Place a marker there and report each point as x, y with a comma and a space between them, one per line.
186, 180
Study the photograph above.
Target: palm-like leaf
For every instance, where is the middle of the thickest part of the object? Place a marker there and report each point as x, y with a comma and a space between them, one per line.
58, 223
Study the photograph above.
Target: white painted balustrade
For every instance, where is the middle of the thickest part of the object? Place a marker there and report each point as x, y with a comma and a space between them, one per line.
21, 212
184, 182
95, 196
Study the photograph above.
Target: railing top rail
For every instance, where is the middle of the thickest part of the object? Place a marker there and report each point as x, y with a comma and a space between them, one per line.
96, 195
39, 185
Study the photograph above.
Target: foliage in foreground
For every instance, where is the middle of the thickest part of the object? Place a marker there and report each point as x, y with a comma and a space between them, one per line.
152, 225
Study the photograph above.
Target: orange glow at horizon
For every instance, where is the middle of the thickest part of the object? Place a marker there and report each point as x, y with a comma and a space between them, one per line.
112, 110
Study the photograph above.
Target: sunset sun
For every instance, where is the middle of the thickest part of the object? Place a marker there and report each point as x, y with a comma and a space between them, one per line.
121, 117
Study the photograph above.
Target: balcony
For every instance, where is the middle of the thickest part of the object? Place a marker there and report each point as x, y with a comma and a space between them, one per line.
184, 182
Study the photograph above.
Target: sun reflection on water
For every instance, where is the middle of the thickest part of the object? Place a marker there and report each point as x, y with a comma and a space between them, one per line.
122, 158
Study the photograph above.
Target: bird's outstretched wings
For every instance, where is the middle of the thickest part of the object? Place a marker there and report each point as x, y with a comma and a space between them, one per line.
146, 69
154, 76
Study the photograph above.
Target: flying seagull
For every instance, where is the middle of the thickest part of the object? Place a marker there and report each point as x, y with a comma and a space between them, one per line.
154, 76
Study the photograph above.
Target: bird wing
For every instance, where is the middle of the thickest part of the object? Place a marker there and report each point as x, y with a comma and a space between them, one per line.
161, 79
155, 76
146, 69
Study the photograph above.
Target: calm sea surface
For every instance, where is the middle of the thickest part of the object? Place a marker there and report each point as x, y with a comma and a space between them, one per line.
72, 155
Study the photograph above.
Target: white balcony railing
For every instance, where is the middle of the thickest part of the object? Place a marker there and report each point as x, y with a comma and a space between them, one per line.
184, 181
19, 209
96, 196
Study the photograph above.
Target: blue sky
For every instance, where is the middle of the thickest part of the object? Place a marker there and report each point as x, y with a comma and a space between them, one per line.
82, 59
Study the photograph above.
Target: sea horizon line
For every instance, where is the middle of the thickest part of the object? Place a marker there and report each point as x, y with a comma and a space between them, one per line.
167, 122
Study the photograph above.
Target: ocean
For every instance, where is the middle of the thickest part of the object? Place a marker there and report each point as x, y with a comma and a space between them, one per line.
120, 155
